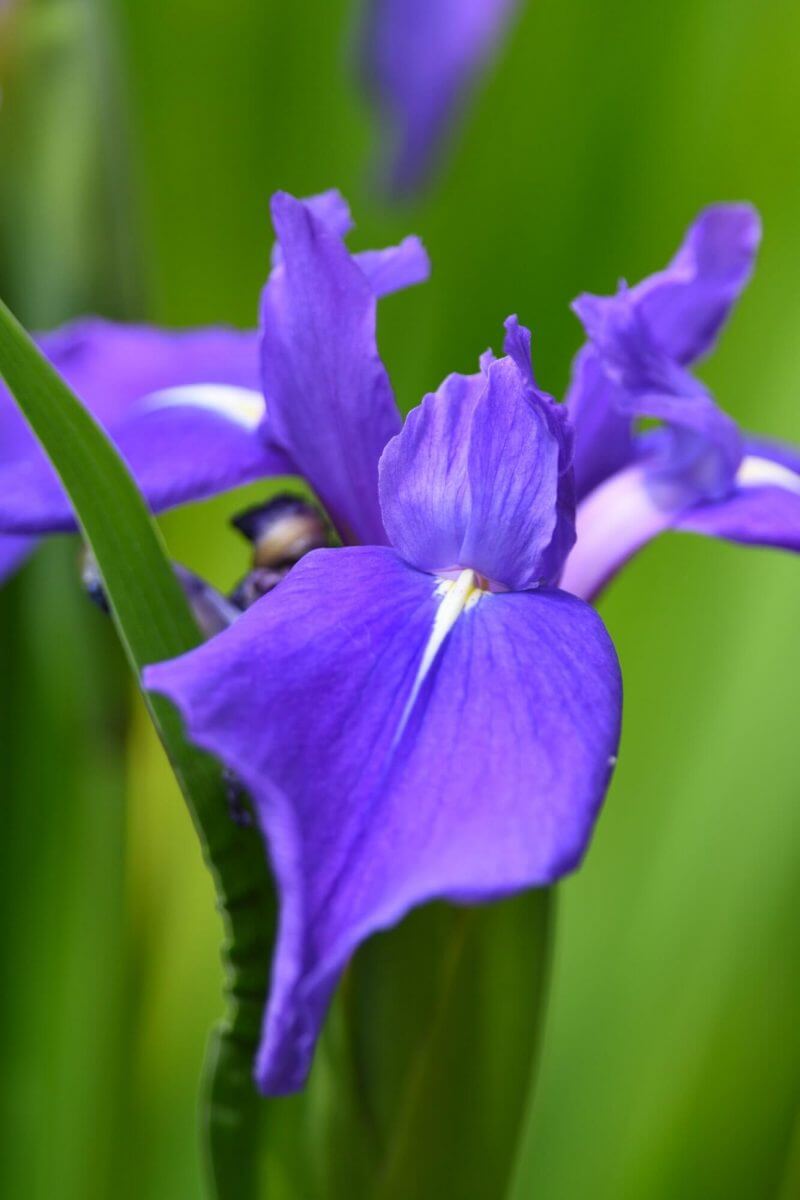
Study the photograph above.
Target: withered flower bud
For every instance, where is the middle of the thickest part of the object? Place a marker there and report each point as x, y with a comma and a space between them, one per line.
282, 531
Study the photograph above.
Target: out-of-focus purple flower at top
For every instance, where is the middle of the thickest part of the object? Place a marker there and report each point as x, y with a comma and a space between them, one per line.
692, 469
426, 717
420, 59
186, 409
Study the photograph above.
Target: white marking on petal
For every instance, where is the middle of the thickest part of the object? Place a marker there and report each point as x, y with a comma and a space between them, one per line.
240, 406
763, 472
457, 595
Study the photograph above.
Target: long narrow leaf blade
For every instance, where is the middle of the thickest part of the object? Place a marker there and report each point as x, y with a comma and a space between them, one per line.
155, 623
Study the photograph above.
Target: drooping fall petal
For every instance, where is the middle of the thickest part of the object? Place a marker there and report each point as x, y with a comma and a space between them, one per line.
490, 783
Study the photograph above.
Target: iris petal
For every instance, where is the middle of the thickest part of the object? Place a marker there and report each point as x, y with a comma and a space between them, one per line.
396, 267
424, 475
176, 452
620, 516
762, 510
648, 383
239, 406
480, 477
685, 305
388, 270
330, 403
419, 59
329, 208
493, 786
643, 338
112, 368
604, 435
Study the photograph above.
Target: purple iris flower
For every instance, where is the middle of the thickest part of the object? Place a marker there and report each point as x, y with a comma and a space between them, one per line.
115, 369
186, 409
423, 715
420, 59
694, 470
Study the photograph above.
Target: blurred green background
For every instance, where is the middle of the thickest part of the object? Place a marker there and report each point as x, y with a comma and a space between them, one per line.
139, 143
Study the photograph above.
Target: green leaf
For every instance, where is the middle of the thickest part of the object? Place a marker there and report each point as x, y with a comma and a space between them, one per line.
445, 1014
154, 623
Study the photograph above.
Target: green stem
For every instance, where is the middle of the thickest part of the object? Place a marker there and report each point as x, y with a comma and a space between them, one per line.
230, 1107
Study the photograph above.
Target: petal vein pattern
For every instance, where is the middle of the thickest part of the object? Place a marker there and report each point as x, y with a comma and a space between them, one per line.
331, 406
476, 479
494, 784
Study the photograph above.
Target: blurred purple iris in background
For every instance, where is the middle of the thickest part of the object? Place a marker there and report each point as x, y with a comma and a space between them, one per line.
427, 715
113, 368
420, 59
695, 471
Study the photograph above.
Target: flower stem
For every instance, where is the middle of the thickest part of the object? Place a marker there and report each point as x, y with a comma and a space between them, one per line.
230, 1106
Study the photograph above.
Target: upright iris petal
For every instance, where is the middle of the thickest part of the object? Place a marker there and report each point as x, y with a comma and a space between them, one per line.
387, 270
427, 719
331, 407
699, 448
419, 59
504, 526
604, 440
517, 345
695, 471
687, 304
679, 312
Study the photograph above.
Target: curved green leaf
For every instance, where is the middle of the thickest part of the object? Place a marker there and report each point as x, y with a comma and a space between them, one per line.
154, 622
445, 1014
